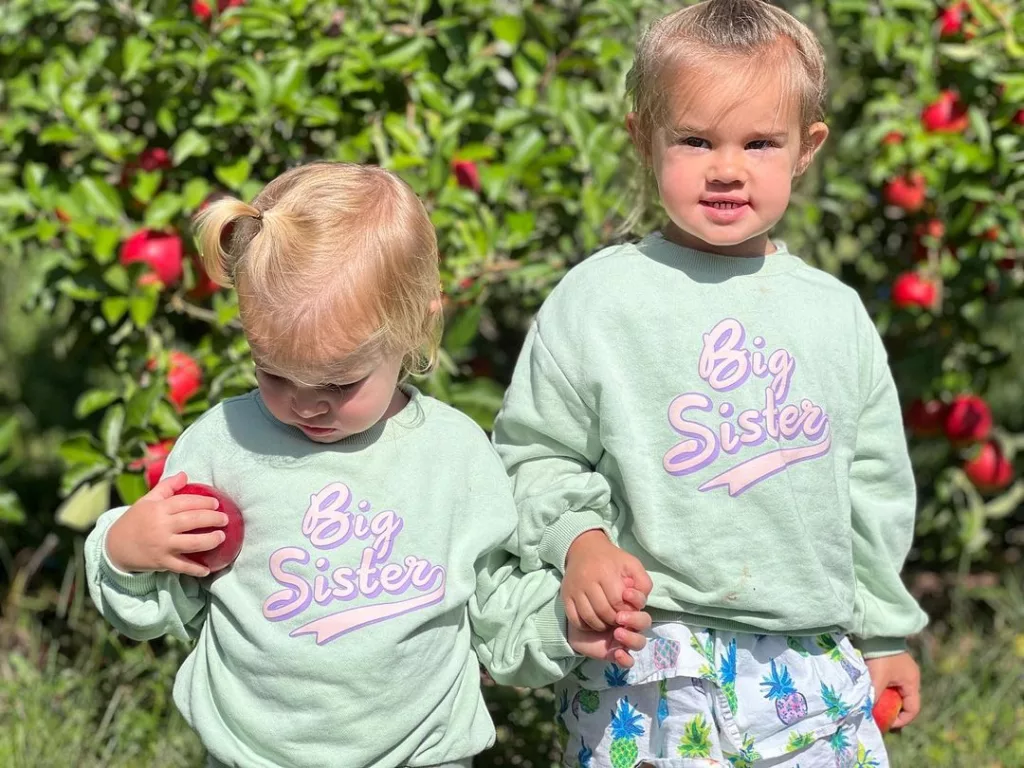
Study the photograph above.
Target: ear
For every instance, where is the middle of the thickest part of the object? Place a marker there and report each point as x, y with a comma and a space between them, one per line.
816, 136
641, 142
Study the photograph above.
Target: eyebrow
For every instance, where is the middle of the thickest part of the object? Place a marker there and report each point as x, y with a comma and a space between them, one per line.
687, 130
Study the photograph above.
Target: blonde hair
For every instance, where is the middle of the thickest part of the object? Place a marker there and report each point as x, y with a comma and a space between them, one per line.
335, 265
770, 40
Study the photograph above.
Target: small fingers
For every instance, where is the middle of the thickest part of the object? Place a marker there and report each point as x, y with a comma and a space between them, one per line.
588, 616
601, 603
193, 519
167, 487
911, 708
635, 620
622, 658
187, 567
197, 542
634, 598
632, 641
187, 503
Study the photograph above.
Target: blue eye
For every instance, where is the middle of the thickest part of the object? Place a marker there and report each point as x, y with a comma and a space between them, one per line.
761, 144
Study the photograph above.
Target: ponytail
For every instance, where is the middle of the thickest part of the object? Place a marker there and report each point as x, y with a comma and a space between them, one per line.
212, 225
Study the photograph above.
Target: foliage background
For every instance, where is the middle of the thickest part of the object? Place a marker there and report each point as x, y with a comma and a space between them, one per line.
533, 96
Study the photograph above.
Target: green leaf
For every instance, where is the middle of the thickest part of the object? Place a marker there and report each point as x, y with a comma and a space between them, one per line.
110, 429
81, 449
462, 330
146, 185
131, 486
114, 308
257, 80
101, 198
84, 506
93, 400
140, 406
190, 144
57, 133
509, 28
142, 306
11, 510
164, 208
234, 175
402, 55
8, 429
136, 56
195, 191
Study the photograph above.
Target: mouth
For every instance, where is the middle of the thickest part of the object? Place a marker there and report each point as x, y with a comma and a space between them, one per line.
724, 204
315, 430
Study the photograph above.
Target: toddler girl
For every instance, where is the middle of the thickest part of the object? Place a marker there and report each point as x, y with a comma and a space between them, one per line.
344, 632
703, 415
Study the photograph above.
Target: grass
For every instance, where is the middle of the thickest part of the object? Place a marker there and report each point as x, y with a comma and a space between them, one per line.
108, 702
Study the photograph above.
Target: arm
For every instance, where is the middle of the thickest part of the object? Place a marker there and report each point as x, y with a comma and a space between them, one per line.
883, 502
518, 623
548, 439
142, 590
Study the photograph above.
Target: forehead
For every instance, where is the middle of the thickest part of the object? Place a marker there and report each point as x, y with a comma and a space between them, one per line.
732, 94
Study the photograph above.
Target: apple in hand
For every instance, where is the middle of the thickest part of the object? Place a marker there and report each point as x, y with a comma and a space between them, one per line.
224, 553
887, 709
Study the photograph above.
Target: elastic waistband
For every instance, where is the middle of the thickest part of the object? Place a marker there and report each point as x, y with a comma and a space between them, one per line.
662, 616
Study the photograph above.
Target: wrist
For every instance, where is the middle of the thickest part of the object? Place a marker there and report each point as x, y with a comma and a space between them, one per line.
595, 537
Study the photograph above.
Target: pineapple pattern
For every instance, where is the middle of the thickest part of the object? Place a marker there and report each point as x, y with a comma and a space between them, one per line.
835, 707
707, 650
584, 756
665, 652
662, 702
841, 749
790, 704
616, 676
828, 644
696, 739
627, 726
798, 741
747, 755
670, 705
727, 676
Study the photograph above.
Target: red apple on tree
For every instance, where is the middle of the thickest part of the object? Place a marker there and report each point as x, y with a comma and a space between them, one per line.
224, 553
968, 419
153, 461
947, 114
926, 418
184, 378
989, 469
887, 709
891, 138
160, 251
467, 175
910, 289
907, 192
951, 19
1019, 117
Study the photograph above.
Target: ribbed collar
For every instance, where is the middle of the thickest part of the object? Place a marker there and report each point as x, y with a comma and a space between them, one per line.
712, 267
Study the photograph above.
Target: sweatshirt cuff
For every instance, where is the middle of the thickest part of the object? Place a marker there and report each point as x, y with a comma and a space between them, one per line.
877, 647
137, 584
551, 626
559, 536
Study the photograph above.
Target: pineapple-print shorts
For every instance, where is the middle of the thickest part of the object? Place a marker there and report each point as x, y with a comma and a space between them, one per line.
698, 697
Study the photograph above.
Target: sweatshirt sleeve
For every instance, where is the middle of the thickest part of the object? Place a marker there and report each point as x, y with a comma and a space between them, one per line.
549, 440
883, 501
144, 606
518, 623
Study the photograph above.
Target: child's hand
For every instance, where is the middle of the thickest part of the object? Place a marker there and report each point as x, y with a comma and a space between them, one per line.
899, 672
151, 535
596, 575
615, 645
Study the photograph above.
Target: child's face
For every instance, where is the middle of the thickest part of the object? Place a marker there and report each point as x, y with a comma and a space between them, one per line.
331, 413
725, 166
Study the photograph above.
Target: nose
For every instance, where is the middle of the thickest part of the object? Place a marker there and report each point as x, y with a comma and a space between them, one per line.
307, 403
727, 166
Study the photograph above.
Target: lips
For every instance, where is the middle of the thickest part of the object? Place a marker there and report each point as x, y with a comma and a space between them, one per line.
724, 204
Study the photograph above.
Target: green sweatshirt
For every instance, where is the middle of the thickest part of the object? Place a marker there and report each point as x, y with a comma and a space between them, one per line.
733, 423
371, 570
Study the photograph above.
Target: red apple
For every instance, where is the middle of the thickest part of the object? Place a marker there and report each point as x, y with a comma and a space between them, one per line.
224, 553
160, 251
906, 192
153, 460
951, 20
467, 175
991, 234
887, 709
202, 10
989, 469
184, 377
926, 417
968, 419
947, 114
1019, 117
892, 137
155, 159
910, 289
62, 216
